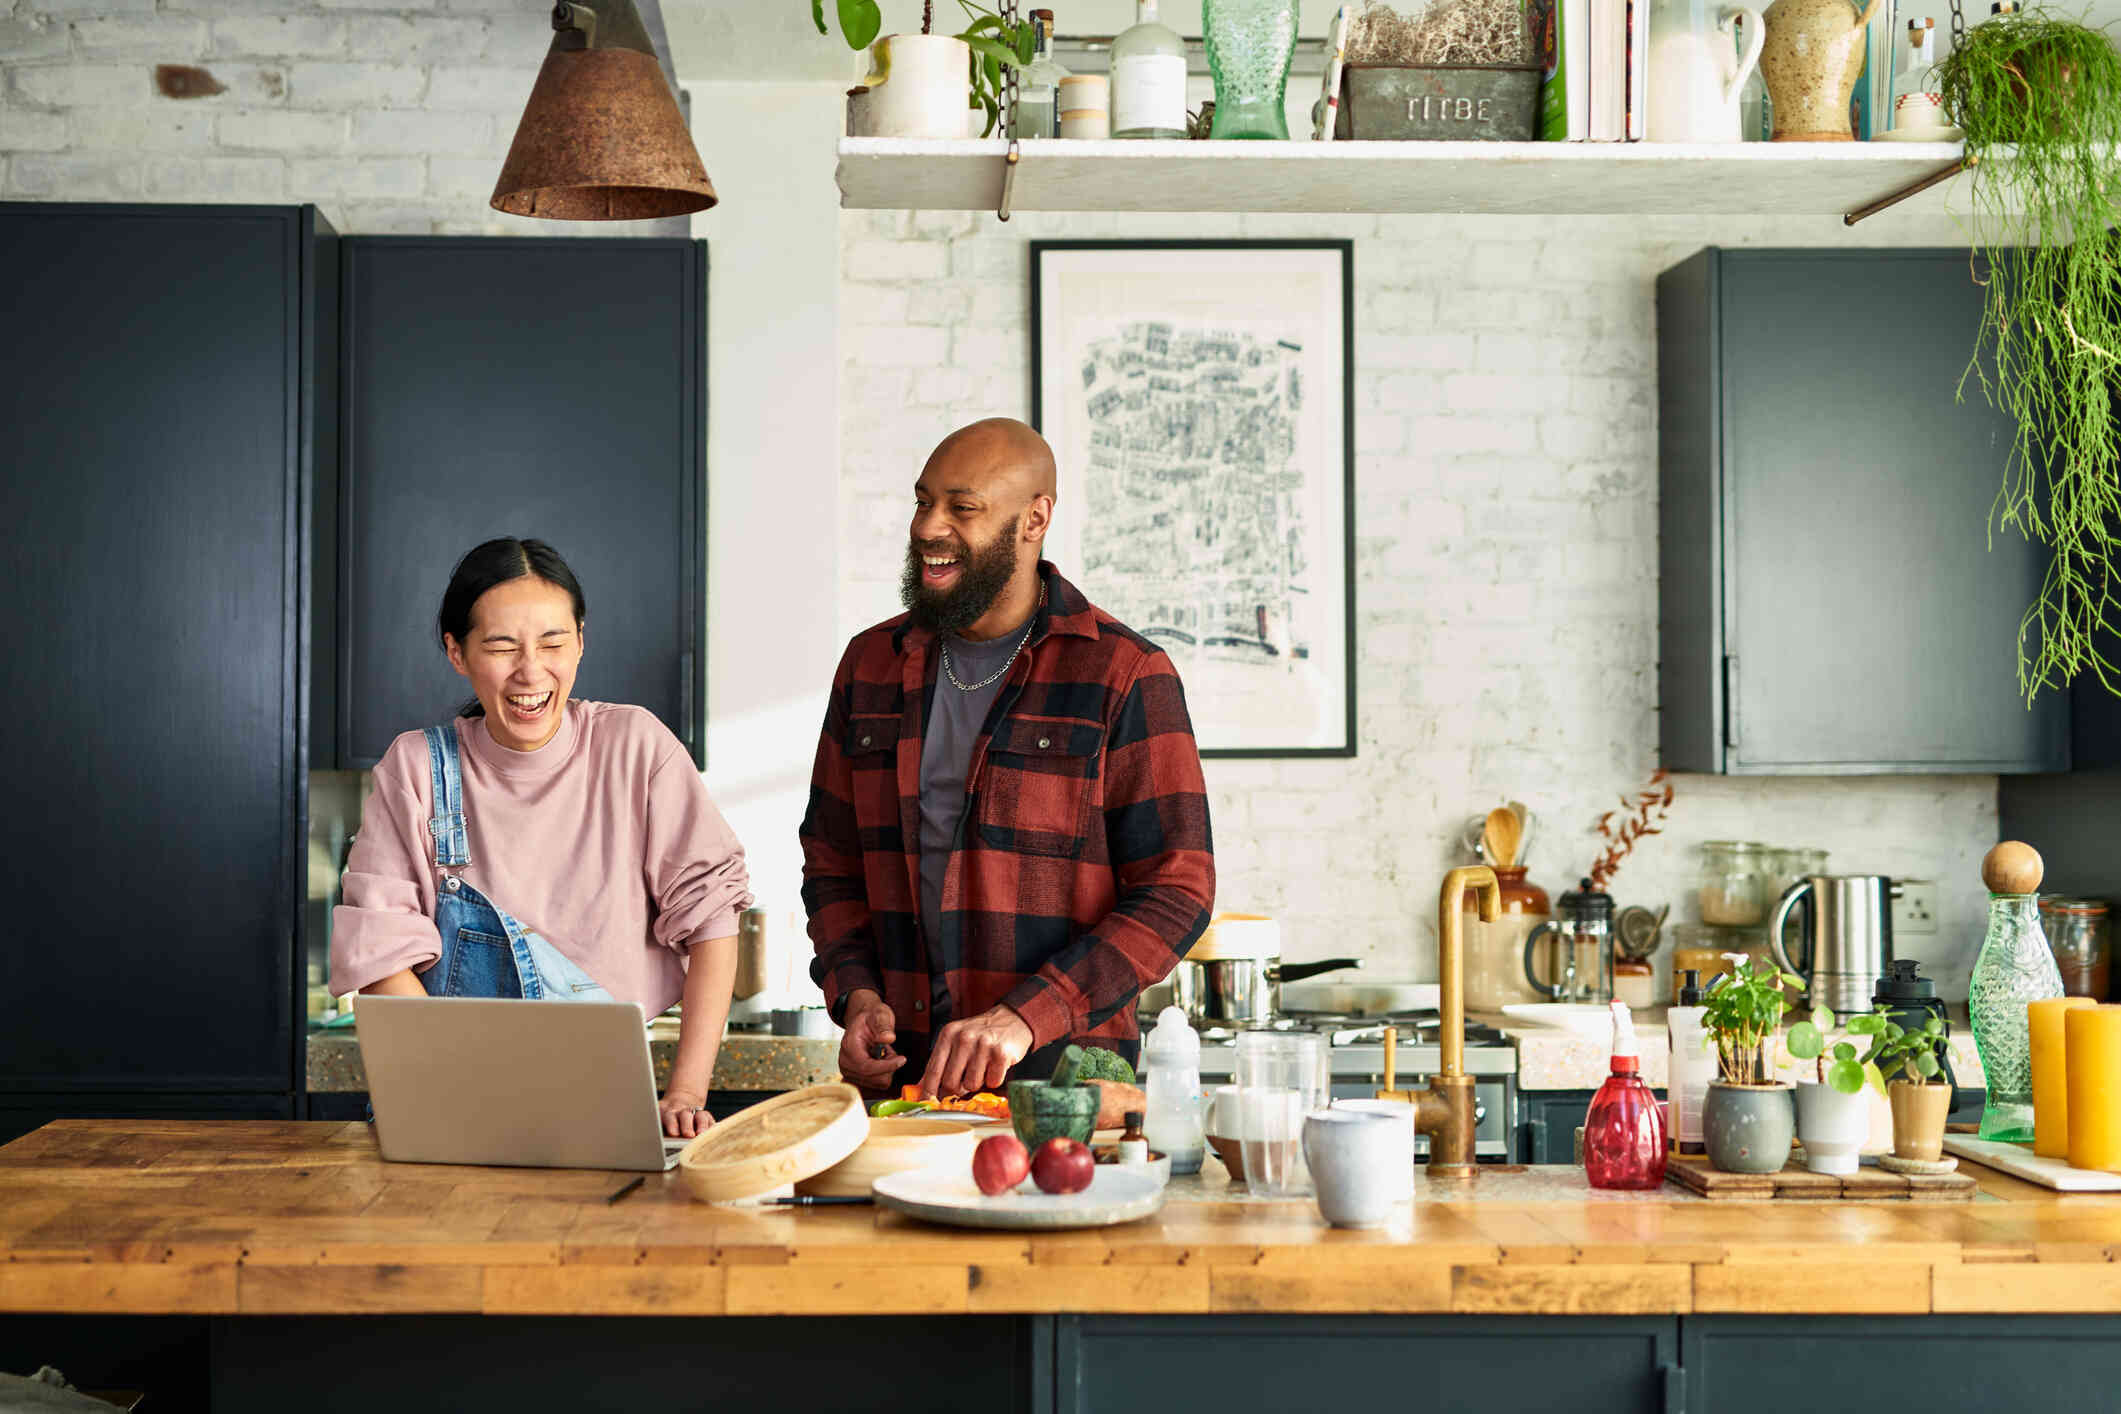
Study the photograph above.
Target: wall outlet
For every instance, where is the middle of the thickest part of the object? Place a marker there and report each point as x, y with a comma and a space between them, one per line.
1915, 911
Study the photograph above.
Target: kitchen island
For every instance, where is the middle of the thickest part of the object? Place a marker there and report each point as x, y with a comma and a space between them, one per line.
292, 1253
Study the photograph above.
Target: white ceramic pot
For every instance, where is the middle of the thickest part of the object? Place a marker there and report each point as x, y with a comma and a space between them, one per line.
1354, 1160
1832, 1127
919, 86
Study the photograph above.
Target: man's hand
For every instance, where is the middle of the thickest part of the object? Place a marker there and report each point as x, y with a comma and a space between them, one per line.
976, 1053
866, 1057
684, 1114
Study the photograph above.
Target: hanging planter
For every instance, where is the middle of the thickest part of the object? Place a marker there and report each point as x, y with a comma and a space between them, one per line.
2040, 100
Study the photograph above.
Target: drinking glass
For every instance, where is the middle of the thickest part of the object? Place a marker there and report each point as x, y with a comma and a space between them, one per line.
1249, 44
1281, 1077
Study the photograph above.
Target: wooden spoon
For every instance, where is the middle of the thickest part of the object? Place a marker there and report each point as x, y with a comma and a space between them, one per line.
1501, 835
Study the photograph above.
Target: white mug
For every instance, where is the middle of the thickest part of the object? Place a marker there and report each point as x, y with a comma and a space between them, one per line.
1402, 1114
1355, 1165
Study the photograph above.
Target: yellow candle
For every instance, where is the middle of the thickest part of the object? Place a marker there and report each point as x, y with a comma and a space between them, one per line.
2093, 1037
2050, 1077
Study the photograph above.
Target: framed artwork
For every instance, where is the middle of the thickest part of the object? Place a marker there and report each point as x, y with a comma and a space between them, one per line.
1199, 399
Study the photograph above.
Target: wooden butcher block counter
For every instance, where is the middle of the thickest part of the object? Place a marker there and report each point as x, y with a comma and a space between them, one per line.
274, 1218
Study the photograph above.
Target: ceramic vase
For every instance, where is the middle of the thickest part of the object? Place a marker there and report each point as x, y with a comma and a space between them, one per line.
1748, 1128
1918, 1119
1832, 1127
1813, 53
918, 86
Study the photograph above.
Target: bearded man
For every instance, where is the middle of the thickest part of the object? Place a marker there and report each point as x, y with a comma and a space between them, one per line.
1008, 833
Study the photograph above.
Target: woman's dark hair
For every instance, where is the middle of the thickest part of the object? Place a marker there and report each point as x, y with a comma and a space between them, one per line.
497, 562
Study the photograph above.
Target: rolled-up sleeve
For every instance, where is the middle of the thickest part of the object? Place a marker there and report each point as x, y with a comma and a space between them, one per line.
386, 923
696, 869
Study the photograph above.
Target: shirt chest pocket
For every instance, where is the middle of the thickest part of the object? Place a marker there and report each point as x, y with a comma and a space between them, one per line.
870, 745
1040, 788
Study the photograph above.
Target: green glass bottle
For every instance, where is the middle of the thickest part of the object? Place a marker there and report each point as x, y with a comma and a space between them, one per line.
2015, 967
1249, 44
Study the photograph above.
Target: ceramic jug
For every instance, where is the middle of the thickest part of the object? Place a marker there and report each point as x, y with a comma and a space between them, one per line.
1695, 75
1814, 51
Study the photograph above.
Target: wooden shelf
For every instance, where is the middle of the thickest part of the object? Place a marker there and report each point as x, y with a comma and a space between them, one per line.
1503, 178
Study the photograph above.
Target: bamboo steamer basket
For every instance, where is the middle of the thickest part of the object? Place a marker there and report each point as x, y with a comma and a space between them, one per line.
774, 1144
895, 1145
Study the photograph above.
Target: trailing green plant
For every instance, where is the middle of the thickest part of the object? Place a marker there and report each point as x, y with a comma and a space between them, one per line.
1742, 1010
1909, 1054
2039, 97
996, 43
1807, 1041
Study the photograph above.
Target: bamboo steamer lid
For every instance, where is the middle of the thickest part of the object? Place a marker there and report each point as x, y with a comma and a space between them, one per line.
1238, 937
775, 1143
895, 1145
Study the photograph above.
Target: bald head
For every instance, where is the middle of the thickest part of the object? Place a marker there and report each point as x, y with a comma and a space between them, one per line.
1011, 459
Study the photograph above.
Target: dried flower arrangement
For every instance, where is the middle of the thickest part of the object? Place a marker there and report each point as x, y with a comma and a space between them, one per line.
1444, 32
1637, 817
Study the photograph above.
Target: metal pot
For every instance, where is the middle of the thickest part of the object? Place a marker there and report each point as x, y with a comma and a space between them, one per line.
1240, 991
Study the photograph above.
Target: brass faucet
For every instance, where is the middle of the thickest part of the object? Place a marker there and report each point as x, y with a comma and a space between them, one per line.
1444, 1111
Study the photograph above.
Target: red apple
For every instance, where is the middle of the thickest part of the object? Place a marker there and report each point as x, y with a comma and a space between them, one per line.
999, 1164
1063, 1165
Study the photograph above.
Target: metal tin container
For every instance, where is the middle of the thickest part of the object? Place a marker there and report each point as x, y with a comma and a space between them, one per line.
1442, 103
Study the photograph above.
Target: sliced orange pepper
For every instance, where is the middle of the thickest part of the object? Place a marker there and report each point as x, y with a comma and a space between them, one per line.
909, 1092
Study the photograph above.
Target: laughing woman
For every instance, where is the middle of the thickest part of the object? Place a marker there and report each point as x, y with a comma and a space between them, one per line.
539, 847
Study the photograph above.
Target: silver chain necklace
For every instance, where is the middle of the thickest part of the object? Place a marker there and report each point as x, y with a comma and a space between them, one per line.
985, 681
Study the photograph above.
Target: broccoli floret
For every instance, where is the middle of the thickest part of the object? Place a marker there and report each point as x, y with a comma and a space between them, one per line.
1101, 1064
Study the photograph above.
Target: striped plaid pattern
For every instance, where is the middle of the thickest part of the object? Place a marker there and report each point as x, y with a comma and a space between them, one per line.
1083, 868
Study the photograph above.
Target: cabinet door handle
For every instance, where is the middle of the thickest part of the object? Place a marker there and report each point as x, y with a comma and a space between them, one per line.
1730, 700
686, 730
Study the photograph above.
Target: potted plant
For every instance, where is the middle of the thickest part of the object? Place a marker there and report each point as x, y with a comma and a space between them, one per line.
1746, 1118
1833, 1113
926, 84
2039, 98
1915, 1086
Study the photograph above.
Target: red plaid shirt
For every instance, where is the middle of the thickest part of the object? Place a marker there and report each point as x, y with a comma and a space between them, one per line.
1083, 868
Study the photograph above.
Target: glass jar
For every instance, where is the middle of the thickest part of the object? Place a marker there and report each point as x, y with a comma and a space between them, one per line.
1250, 44
2077, 934
1734, 884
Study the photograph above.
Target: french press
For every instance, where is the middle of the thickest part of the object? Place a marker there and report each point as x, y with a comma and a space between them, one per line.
1582, 926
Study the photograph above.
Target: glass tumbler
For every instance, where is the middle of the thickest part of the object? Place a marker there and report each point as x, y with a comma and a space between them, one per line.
1281, 1077
1249, 44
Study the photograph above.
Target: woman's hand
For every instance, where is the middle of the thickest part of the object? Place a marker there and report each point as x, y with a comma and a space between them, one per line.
684, 1114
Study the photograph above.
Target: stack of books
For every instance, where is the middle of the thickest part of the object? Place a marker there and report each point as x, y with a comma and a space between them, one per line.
1596, 54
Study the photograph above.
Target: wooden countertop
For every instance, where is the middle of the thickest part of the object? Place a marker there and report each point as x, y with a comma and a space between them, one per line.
278, 1218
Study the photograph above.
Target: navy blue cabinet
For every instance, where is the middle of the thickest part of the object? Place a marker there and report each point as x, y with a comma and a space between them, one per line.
1831, 601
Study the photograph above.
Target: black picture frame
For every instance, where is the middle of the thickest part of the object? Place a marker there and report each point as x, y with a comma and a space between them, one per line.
1046, 257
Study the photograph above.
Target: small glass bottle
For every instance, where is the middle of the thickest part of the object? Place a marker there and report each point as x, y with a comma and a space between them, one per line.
2015, 967
1133, 1144
1148, 79
1038, 86
1623, 1134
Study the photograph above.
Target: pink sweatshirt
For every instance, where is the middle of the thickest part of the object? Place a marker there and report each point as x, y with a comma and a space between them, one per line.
603, 841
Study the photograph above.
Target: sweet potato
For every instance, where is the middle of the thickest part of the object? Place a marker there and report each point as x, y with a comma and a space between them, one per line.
1115, 1100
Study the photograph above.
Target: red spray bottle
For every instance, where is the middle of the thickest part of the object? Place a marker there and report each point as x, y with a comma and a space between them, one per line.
1623, 1135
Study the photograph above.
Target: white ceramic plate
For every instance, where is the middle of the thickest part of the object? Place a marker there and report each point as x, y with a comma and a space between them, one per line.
1115, 1195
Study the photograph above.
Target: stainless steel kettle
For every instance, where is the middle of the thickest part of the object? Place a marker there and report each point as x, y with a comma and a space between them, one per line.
1848, 936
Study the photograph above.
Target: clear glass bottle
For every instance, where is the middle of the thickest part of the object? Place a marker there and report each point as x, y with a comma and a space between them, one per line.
1038, 86
2015, 967
1148, 78
1250, 44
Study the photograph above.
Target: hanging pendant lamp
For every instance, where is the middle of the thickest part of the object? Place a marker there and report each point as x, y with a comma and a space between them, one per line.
601, 138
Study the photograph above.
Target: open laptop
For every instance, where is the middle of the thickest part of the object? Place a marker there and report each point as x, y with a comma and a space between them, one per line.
464, 1080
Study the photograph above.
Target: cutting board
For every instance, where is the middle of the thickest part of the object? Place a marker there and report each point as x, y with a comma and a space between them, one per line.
1799, 1183
2021, 1162
1115, 1195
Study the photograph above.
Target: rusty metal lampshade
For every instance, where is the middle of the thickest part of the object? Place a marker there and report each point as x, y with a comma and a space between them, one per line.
601, 138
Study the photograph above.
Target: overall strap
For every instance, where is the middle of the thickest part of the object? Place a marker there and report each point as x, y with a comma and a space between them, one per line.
452, 846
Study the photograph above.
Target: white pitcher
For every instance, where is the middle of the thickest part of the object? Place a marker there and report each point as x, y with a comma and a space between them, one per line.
1695, 74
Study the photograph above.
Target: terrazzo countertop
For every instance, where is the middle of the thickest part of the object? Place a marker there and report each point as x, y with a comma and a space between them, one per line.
746, 1061
1552, 1058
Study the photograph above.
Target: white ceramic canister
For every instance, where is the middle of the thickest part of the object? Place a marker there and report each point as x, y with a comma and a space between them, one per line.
917, 87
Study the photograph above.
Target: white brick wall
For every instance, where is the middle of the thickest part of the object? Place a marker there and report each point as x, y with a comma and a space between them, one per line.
1506, 558
392, 115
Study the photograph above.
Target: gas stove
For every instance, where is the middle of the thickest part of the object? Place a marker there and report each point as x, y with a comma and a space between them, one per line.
1355, 1050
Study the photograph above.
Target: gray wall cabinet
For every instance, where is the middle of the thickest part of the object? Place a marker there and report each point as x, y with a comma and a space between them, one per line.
1831, 599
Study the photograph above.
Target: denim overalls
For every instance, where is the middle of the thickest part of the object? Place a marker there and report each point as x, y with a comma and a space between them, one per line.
485, 953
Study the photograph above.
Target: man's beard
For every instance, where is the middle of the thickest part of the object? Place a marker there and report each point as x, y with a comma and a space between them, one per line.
986, 573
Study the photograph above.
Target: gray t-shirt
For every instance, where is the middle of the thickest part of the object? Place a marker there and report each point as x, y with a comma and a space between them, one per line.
954, 722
